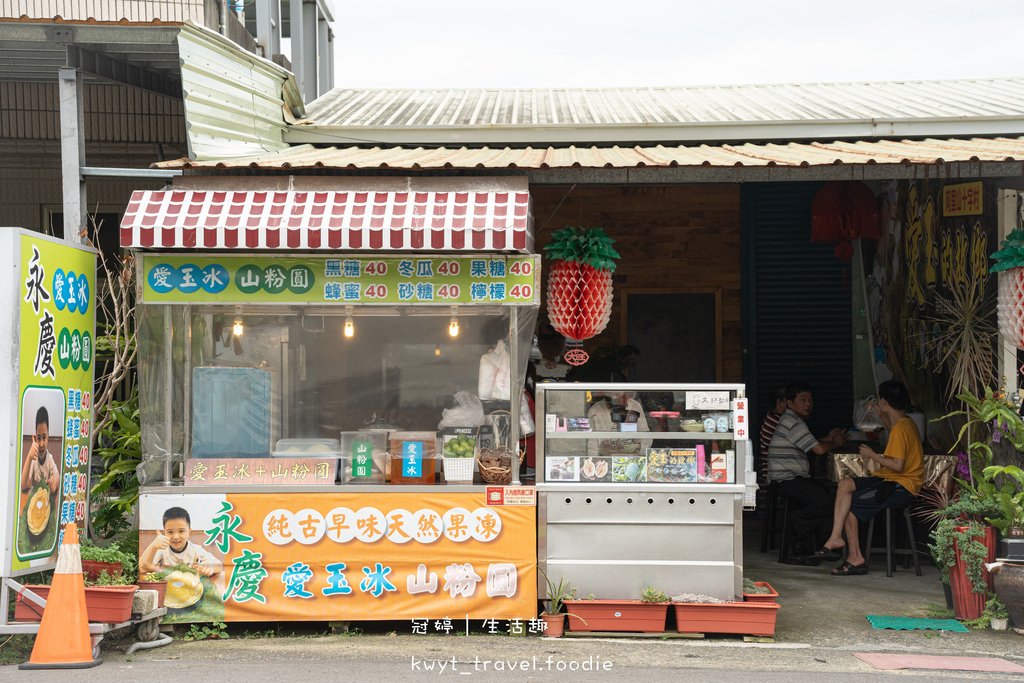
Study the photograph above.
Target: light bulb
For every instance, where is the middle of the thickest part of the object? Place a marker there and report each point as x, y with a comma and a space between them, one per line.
350, 330
437, 350
238, 329
453, 327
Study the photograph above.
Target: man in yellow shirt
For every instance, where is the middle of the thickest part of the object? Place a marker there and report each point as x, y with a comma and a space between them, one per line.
895, 484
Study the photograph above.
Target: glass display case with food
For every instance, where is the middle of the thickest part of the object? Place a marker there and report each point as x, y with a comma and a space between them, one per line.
658, 472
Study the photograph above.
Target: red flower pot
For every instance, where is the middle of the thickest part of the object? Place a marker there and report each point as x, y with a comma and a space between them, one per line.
747, 618
617, 615
554, 625
159, 586
768, 597
966, 603
92, 569
103, 604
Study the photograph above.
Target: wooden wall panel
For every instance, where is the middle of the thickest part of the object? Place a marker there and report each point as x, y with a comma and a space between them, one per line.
668, 236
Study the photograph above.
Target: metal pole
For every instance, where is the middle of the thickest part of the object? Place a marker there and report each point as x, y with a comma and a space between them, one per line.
72, 154
187, 400
515, 388
168, 394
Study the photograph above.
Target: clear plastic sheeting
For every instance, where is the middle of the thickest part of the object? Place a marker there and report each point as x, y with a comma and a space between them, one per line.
227, 381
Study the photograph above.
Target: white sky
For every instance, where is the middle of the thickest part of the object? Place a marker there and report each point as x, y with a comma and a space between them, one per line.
614, 43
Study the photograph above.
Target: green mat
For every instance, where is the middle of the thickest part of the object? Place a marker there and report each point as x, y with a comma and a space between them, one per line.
911, 624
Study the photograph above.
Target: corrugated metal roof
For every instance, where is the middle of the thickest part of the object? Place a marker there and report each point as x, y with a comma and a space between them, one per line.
751, 112
234, 100
794, 154
694, 104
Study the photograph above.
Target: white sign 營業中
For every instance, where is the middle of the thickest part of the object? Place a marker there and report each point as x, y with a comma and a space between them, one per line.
740, 419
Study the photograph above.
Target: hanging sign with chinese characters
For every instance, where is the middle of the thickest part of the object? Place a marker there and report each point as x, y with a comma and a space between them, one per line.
260, 471
440, 280
53, 363
367, 556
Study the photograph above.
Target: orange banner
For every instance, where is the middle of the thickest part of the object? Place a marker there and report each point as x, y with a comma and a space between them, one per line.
342, 556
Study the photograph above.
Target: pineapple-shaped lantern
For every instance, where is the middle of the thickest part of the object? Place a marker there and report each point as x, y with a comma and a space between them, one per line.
1010, 307
579, 296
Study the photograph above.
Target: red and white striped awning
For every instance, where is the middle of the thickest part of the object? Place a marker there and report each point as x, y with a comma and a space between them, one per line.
358, 220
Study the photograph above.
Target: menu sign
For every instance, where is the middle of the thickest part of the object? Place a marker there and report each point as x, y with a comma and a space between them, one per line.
53, 362
441, 280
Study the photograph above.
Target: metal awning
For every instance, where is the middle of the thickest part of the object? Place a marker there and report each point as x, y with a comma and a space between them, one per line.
791, 155
351, 219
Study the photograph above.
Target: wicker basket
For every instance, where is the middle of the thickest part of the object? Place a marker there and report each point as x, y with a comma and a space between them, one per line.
501, 473
496, 463
458, 470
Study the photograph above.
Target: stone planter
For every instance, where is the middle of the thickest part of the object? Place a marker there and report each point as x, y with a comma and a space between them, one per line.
103, 604
617, 615
1009, 582
746, 618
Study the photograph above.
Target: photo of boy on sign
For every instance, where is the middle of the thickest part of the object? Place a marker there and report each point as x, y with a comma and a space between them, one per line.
39, 470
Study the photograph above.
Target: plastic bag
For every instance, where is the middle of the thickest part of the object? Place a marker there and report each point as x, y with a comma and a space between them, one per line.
468, 411
493, 384
865, 418
526, 421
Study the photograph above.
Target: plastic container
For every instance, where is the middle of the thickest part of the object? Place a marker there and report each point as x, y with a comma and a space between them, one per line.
363, 457
459, 470
412, 457
307, 448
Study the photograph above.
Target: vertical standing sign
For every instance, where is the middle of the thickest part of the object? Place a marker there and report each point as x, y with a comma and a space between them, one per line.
52, 333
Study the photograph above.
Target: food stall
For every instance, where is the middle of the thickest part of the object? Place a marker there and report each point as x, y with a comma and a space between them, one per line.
299, 346
643, 485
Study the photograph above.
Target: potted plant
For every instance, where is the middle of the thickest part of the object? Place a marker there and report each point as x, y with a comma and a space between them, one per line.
553, 616
758, 591
705, 614
155, 581
996, 612
107, 600
1005, 486
962, 544
646, 615
110, 559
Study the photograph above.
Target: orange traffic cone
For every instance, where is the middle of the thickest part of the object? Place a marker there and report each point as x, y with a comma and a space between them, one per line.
63, 640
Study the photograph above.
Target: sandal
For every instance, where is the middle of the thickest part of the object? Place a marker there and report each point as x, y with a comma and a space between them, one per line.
823, 553
847, 569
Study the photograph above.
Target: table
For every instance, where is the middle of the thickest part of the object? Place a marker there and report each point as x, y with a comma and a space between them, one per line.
939, 468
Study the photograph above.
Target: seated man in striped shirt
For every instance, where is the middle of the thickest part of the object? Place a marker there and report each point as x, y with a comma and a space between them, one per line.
788, 464
771, 421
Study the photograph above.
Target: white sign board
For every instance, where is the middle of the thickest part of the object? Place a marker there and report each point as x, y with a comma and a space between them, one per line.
707, 400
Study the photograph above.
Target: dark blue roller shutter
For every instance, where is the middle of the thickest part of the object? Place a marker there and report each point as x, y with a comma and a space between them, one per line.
797, 300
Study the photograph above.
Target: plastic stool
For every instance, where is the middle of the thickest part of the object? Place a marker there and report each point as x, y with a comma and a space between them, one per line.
889, 550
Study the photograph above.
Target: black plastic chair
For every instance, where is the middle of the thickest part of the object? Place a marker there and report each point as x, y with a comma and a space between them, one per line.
888, 548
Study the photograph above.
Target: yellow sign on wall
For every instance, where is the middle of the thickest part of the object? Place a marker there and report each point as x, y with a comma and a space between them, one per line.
346, 555
962, 200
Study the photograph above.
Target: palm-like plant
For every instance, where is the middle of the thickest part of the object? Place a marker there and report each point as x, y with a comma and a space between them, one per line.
966, 337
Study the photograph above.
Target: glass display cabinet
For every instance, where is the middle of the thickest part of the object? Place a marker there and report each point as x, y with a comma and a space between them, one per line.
643, 485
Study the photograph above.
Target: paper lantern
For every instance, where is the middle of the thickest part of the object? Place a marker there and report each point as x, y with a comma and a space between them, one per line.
1010, 306
579, 299
579, 294
844, 210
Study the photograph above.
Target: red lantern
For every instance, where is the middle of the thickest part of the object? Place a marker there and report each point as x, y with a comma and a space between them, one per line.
579, 299
844, 210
